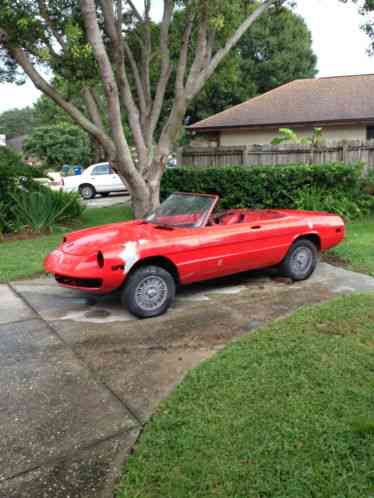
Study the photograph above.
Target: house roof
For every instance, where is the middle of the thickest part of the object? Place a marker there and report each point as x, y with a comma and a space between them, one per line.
322, 100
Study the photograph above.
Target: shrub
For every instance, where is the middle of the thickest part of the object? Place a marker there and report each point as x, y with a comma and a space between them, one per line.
43, 209
343, 203
14, 176
276, 186
26, 203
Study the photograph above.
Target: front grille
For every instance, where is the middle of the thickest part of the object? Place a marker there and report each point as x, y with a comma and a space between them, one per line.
88, 283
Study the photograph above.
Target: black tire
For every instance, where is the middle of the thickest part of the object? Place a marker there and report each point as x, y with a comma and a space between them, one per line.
134, 294
87, 191
301, 260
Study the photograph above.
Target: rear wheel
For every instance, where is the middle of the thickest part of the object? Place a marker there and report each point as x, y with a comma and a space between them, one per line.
87, 191
301, 260
149, 291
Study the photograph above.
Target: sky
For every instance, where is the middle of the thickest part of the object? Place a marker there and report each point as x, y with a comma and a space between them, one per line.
340, 45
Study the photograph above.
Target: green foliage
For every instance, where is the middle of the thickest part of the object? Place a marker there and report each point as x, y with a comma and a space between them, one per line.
14, 175
285, 412
11, 165
44, 209
24, 203
16, 122
59, 144
366, 8
294, 187
277, 49
48, 113
287, 135
356, 252
349, 205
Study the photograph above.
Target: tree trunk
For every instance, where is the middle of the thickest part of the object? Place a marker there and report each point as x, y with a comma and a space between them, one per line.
146, 197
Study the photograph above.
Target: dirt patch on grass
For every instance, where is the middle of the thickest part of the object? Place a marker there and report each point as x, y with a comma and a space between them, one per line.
24, 235
335, 260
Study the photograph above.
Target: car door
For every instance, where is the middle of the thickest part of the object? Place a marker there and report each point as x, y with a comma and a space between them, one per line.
101, 177
117, 182
243, 246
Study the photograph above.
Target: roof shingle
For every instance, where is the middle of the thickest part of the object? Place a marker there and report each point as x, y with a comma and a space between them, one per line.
340, 98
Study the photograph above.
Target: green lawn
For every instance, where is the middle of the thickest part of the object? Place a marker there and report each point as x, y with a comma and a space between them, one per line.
24, 258
286, 412
358, 249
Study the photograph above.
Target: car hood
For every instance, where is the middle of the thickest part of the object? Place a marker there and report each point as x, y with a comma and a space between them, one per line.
91, 240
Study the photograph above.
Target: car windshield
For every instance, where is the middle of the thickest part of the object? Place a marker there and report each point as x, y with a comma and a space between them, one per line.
183, 210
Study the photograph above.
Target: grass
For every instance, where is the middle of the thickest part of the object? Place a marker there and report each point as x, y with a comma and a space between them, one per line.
24, 258
357, 250
286, 412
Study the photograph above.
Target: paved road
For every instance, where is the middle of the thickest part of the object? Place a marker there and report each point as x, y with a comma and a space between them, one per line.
80, 376
111, 200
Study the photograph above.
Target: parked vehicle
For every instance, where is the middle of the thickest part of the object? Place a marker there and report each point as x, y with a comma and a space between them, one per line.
53, 180
184, 241
96, 179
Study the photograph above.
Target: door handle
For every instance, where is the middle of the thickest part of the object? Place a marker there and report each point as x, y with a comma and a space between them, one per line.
256, 227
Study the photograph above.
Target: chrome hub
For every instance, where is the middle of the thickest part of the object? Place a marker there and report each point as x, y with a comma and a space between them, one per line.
151, 293
302, 260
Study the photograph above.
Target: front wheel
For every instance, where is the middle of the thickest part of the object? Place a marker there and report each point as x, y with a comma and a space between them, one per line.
149, 291
301, 260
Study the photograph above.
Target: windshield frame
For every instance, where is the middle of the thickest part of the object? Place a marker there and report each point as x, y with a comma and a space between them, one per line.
200, 224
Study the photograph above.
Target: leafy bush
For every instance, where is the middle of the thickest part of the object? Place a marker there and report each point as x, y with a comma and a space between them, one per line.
345, 204
294, 187
14, 176
26, 203
44, 209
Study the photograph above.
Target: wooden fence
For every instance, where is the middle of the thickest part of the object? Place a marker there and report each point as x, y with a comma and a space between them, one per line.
257, 155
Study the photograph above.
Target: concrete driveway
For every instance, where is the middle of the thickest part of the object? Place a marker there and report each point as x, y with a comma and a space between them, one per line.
80, 376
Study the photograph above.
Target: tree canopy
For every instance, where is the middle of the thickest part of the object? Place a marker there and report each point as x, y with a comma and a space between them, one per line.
87, 44
59, 144
277, 49
16, 122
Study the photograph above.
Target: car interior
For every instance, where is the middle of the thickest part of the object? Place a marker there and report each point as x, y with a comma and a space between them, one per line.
235, 216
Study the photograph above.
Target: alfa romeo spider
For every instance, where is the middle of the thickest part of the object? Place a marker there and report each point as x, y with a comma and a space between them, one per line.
187, 240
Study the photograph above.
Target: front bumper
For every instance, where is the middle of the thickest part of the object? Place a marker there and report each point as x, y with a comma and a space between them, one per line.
76, 272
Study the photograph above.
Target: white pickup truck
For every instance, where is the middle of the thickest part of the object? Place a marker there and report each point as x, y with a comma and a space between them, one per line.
96, 179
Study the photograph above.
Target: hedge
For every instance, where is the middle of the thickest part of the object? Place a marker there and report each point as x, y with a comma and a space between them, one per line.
263, 186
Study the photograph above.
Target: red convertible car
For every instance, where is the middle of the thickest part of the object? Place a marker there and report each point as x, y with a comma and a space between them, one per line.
185, 241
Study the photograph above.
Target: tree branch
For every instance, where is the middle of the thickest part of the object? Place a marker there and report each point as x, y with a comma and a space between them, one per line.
121, 76
137, 79
165, 71
88, 9
135, 11
197, 64
195, 85
92, 107
50, 24
21, 58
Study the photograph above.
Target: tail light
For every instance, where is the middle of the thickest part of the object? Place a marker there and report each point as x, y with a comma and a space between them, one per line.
57, 183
